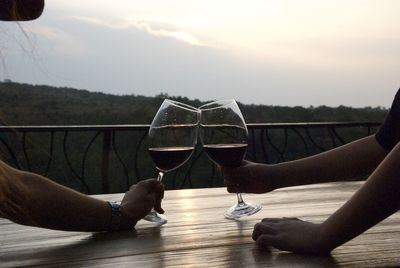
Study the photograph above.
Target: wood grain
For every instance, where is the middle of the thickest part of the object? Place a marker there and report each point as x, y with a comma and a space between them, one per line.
197, 235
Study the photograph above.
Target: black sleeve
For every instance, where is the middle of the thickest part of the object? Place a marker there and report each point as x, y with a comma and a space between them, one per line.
388, 134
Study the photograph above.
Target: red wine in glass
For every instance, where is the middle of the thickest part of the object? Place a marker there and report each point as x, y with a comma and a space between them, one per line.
223, 133
172, 138
229, 155
169, 158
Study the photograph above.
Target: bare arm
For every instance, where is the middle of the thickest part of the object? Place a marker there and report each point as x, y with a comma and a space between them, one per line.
376, 200
348, 162
35, 200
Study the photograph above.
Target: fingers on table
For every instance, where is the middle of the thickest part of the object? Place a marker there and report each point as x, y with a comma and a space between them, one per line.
263, 228
266, 240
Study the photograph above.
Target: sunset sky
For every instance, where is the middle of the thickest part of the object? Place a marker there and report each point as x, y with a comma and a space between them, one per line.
262, 52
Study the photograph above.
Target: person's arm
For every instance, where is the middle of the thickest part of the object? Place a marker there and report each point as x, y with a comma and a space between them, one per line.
351, 161
376, 200
32, 199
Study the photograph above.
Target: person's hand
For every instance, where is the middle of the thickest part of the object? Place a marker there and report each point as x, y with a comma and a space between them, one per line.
250, 177
290, 234
141, 198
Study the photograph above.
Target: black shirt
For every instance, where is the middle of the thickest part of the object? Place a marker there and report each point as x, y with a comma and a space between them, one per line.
388, 134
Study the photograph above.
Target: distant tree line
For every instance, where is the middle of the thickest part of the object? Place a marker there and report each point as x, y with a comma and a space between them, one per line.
24, 104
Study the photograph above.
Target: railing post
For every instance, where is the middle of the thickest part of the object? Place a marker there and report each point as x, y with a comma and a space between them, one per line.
105, 161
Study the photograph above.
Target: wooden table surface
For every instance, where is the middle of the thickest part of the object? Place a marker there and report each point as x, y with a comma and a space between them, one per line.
197, 235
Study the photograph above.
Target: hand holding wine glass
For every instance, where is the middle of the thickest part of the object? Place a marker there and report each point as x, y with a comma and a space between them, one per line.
172, 139
223, 133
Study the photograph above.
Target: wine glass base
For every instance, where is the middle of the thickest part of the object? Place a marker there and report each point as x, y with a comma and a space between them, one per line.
241, 210
156, 218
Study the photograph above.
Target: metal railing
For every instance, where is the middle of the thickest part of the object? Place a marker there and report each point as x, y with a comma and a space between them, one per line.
109, 158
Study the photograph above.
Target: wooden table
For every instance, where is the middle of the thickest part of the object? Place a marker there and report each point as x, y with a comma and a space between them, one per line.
197, 235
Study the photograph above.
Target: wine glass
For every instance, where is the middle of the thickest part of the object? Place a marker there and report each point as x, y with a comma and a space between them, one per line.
223, 133
172, 139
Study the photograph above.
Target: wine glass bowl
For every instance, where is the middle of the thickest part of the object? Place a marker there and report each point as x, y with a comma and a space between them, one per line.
224, 135
172, 138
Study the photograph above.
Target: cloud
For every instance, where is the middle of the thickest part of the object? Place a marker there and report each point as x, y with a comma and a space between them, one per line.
63, 43
144, 26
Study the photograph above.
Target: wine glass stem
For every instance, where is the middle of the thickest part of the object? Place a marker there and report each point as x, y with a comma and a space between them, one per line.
240, 199
160, 176
159, 179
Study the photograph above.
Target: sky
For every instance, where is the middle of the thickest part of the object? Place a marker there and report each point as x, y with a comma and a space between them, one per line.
287, 53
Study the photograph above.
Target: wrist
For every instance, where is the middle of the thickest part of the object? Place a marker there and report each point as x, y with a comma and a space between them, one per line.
276, 177
326, 239
119, 220
289, 174
116, 215
127, 221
